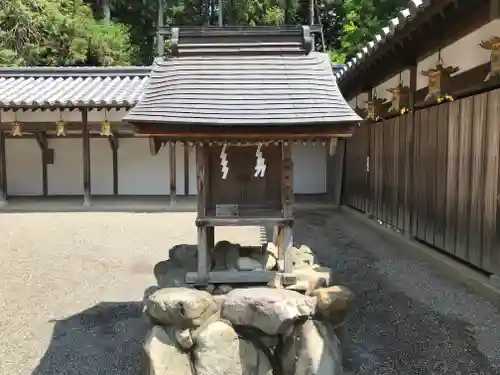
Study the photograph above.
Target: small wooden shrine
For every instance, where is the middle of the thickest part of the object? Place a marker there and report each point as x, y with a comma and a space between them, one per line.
243, 95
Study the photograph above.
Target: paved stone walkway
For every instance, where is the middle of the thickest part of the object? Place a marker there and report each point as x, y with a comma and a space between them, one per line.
71, 283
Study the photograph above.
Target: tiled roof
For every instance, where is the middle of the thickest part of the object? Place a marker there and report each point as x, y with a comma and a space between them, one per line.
243, 90
404, 17
71, 87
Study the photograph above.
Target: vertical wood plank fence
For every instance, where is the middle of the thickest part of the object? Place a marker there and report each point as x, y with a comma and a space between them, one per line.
434, 174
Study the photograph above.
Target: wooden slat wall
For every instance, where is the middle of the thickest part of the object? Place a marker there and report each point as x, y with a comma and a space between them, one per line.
434, 174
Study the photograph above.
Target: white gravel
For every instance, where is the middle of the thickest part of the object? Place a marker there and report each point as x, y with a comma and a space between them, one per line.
71, 285
71, 282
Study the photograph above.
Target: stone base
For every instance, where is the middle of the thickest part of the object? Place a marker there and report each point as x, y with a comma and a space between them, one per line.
290, 325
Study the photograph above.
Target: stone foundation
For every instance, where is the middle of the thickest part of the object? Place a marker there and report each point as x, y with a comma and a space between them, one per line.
292, 326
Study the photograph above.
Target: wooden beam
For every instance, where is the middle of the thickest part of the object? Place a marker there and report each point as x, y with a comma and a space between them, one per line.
86, 159
154, 145
41, 139
339, 171
172, 164
114, 144
243, 136
3, 170
201, 180
233, 277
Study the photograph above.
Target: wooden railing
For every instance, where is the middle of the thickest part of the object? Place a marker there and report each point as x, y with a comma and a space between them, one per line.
434, 174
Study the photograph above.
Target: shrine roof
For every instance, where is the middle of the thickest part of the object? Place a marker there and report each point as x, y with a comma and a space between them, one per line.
238, 76
68, 87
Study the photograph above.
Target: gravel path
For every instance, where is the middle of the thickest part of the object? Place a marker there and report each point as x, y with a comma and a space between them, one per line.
71, 283
407, 320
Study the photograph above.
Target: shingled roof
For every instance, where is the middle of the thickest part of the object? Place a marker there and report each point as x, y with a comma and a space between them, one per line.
240, 77
70, 87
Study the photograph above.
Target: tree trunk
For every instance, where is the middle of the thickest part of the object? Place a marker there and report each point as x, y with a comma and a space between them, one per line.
106, 11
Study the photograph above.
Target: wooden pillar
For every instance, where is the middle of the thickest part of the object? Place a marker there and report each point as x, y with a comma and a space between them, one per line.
3, 170
41, 139
494, 9
202, 196
86, 159
160, 42
113, 143
173, 185
338, 162
410, 171
285, 236
186, 169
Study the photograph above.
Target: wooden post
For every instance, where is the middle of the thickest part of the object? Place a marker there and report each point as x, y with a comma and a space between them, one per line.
41, 139
410, 172
172, 164
86, 159
3, 170
285, 232
113, 143
203, 235
186, 169
339, 171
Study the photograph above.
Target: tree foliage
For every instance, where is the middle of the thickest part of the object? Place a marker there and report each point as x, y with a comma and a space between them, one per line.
59, 32
119, 32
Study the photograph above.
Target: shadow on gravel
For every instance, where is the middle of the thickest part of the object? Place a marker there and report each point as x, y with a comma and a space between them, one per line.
103, 340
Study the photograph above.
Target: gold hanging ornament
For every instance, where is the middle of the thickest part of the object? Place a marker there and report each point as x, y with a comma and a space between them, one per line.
400, 97
375, 107
60, 129
16, 129
439, 81
493, 45
105, 126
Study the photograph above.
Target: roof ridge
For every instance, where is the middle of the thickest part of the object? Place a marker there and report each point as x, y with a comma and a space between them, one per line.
76, 71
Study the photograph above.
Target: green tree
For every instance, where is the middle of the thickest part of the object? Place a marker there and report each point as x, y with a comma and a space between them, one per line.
363, 20
59, 32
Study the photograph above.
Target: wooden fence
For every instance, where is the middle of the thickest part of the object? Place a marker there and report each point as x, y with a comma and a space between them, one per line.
434, 174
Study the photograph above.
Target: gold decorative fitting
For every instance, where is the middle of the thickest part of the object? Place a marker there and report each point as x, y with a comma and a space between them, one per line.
105, 129
16, 129
400, 97
376, 108
404, 110
445, 99
493, 45
60, 129
439, 79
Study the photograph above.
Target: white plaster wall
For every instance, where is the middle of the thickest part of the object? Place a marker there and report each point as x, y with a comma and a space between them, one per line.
465, 53
139, 172
24, 167
309, 169
65, 176
193, 188
101, 167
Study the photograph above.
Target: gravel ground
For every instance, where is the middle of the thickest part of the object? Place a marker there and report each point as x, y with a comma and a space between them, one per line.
407, 319
71, 285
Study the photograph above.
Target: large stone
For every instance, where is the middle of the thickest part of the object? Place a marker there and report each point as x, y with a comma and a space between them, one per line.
248, 264
219, 351
311, 349
182, 337
225, 256
182, 307
270, 310
266, 259
163, 357
170, 274
302, 257
310, 278
185, 256
333, 303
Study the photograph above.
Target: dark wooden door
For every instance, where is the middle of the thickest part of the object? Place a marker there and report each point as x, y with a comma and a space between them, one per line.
241, 186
